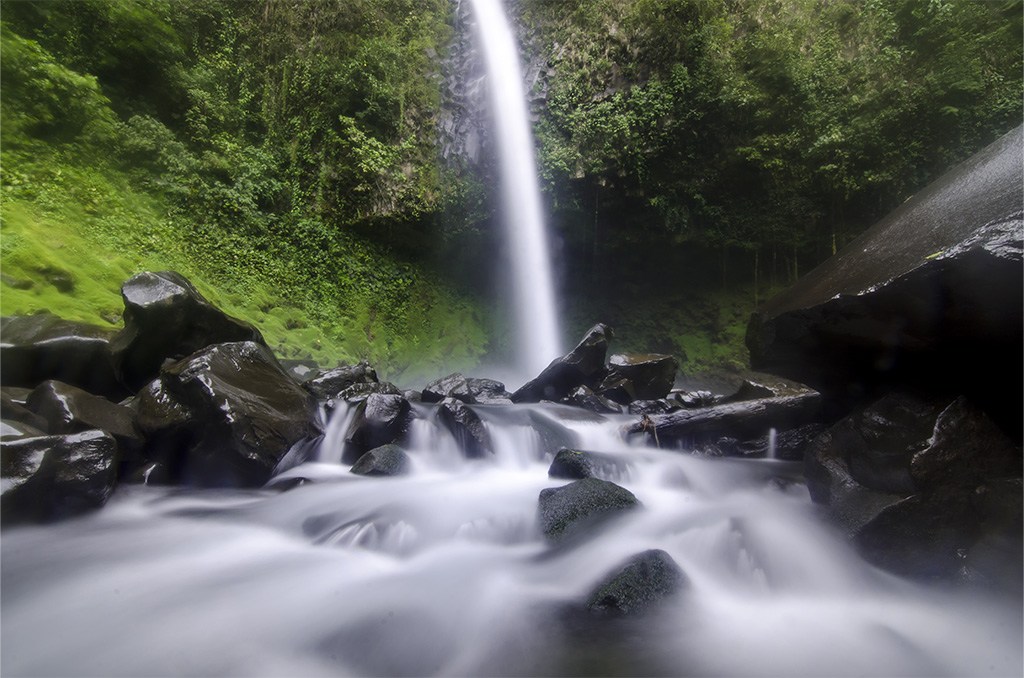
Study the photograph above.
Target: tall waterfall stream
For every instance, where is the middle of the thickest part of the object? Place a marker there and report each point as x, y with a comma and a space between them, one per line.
445, 572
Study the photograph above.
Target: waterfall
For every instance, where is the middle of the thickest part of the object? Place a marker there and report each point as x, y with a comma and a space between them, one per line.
536, 322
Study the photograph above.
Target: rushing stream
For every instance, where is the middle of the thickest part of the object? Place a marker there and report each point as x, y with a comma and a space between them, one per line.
445, 572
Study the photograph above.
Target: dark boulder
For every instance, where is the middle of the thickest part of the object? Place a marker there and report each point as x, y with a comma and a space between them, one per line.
225, 416
358, 392
53, 477
616, 389
488, 391
467, 428
584, 363
330, 384
576, 508
583, 397
904, 478
166, 318
651, 375
386, 460
36, 348
452, 386
965, 448
67, 409
13, 409
577, 464
916, 299
380, 419
638, 586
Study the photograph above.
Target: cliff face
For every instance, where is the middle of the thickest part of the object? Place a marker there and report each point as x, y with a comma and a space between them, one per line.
928, 298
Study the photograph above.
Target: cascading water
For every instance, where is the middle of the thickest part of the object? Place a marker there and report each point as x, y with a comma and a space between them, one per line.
536, 316
444, 571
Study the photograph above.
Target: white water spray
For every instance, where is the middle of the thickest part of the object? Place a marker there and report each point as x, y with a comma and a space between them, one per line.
533, 287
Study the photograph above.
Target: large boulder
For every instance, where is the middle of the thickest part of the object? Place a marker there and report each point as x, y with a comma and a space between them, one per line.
52, 477
908, 478
466, 427
583, 364
332, 384
225, 416
36, 348
380, 419
637, 586
916, 300
166, 318
67, 409
578, 507
578, 464
386, 460
651, 375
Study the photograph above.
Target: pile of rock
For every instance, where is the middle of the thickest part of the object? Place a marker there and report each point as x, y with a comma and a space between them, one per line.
913, 335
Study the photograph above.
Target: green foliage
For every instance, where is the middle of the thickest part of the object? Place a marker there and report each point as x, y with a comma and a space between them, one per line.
769, 123
251, 146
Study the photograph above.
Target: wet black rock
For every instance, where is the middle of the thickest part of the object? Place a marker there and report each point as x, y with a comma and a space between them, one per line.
638, 586
914, 301
651, 375
52, 477
465, 425
379, 419
36, 348
583, 397
584, 363
13, 409
617, 389
225, 416
356, 393
166, 318
331, 384
577, 464
488, 391
965, 449
452, 386
386, 460
67, 409
912, 506
575, 508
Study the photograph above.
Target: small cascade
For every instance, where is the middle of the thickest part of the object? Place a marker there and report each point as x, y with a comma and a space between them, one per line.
444, 571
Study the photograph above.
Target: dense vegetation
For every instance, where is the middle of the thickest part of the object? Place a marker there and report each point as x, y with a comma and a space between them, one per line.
284, 156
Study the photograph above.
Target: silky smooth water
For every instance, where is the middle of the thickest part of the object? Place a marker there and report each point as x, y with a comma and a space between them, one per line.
537, 333
445, 572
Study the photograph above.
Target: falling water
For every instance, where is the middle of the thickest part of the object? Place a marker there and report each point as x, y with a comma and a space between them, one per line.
444, 572
536, 319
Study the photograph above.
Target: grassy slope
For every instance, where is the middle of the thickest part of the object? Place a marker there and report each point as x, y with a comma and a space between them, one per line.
71, 234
